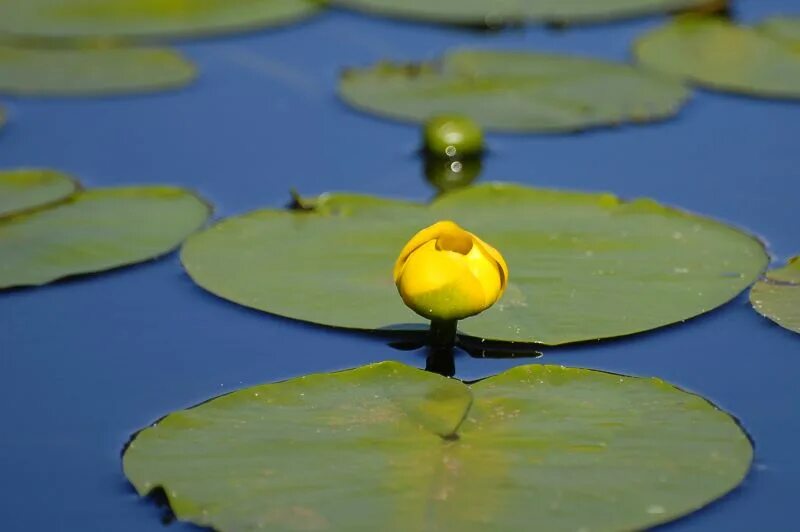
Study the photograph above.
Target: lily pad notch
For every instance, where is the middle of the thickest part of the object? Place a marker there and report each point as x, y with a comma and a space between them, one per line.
777, 295
390, 446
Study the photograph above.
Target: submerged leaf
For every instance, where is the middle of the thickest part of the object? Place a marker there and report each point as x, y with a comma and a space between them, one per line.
96, 230
145, 18
21, 190
91, 71
541, 448
777, 296
582, 266
514, 91
508, 12
717, 54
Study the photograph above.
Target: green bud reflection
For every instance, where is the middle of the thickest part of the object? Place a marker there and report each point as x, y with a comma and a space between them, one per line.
450, 174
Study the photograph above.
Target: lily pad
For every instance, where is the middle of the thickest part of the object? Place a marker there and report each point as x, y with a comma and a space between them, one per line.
91, 71
96, 230
21, 190
389, 447
146, 18
777, 296
2, 117
582, 266
783, 28
514, 91
514, 12
719, 55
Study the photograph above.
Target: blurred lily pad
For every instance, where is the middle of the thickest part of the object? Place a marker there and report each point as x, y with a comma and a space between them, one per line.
719, 55
91, 71
515, 12
21, 190
777, 296
96, 230
783, 28
2, 117
582, 266
514, 91
145, 18
389, 447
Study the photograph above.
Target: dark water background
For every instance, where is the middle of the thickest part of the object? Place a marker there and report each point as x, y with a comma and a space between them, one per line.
85, 363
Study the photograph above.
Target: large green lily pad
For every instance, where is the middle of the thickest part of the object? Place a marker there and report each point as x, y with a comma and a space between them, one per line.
512, 12
21, 190
389, 447
717, 54
145, 18
514, 91
96, 230
582, 266
777, 296
91, 71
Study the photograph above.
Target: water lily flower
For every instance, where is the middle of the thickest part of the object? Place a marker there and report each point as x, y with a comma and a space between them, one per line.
445, 273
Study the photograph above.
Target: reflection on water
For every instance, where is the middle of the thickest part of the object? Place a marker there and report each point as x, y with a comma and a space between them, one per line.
498, 350
441, 361
446, 174
441, 358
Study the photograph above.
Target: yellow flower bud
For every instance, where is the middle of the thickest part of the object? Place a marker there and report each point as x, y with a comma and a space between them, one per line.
447, 273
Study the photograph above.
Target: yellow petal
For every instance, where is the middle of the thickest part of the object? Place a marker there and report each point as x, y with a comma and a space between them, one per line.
487, 273
438, 284
424, 236
499, 260
445, 272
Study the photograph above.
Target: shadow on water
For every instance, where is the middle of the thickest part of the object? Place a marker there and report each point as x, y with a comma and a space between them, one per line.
450, 174
717, 8
440, 357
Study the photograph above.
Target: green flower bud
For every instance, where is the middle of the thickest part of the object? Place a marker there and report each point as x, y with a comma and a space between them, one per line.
453, 136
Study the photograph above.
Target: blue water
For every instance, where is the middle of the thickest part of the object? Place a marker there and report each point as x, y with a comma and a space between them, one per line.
85, 363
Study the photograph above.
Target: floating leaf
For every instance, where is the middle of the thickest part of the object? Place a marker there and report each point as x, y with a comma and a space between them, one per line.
514, 91
96, 230
716, 54
145, 18
541, 448
2, 117
582, 266
777, 296
782, 28
21, 190
513, 12
89, 71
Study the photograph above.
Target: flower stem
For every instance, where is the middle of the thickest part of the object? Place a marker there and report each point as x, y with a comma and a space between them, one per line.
443, 334
441, 342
